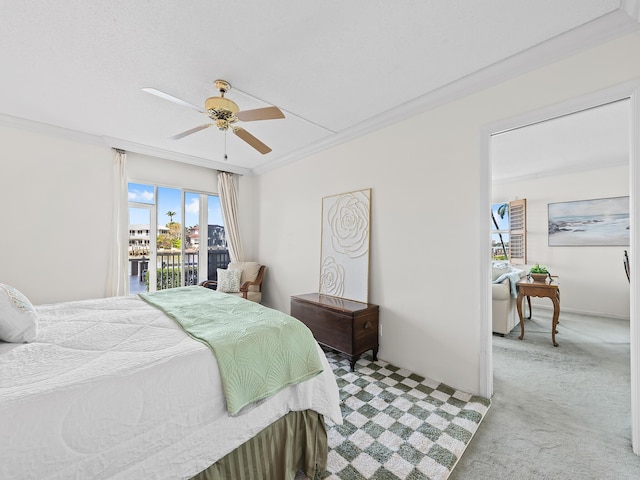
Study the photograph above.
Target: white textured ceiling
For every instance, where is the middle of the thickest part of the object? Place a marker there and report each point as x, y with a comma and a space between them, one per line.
593, 138
335, 68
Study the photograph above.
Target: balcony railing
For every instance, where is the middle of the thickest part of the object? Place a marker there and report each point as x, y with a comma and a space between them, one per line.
217, 259
169, 273
169, 268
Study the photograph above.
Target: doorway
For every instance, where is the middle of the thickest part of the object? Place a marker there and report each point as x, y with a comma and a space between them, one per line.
576, 163
630, 92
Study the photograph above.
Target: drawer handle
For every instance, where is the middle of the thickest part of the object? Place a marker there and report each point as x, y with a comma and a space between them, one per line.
366, 325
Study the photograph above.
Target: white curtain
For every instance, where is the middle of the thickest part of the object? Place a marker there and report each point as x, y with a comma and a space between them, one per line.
229, 203
118, 281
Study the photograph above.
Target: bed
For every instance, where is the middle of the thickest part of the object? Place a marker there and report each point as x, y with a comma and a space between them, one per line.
115, 388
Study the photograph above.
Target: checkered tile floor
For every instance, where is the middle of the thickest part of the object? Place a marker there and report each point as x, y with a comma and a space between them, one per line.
397, 425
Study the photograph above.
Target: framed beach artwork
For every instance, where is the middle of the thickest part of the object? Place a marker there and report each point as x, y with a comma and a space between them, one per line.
344, 257
603, 221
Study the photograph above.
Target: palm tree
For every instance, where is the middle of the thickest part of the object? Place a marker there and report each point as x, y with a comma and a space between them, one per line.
502, 210
170, 214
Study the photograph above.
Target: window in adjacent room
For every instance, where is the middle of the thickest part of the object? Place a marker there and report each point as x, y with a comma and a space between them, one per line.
509, 231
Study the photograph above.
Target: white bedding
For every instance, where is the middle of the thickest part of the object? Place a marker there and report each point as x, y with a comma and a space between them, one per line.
113, 388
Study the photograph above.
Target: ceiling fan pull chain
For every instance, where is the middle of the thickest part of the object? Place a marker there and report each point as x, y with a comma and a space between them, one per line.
225, 145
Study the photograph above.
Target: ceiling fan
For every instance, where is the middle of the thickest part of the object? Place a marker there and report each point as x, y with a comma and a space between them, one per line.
225, 113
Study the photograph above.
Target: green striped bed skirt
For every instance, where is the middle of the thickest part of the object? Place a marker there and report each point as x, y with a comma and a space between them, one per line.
295, 442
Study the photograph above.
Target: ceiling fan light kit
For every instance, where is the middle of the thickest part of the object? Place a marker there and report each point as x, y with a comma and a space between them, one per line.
221, 110
225, 113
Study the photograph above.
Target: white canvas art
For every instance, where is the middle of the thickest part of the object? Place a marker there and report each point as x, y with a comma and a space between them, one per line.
344, 268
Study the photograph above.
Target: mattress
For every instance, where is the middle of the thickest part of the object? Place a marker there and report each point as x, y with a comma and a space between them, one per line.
113, 388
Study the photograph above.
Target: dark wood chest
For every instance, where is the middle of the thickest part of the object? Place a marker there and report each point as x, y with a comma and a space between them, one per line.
343, 325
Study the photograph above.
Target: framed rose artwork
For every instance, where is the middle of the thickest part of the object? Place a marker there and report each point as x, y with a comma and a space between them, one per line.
344, 258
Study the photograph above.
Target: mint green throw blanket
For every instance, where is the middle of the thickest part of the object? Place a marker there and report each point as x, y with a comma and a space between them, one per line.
259, 350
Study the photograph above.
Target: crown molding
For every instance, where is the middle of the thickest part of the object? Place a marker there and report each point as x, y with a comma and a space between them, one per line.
175, 156
612, 25
87, 138
47, 129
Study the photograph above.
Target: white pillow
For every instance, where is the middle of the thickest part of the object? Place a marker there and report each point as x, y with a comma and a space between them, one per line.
498, 269
229, 280
18, 318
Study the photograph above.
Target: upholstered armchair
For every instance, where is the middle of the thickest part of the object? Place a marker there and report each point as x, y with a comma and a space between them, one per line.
243, 279
503, 295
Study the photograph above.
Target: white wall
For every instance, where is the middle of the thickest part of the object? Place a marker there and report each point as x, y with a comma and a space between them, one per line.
56, 225
56, 193
159, 171
592, 279
426, 179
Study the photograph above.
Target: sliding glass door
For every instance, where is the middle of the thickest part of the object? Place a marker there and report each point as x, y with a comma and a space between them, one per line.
142, 238
176, 238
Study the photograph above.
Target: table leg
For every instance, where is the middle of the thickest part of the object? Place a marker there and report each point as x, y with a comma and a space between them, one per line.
529, 302
556, 315
352, 361
519, 307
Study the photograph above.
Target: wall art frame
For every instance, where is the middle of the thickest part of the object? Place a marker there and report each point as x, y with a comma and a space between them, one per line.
596, 222
345, 244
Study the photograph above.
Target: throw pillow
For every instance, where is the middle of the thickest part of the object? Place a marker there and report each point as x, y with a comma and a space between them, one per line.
249, 272
18, 317
229, 280
499, 268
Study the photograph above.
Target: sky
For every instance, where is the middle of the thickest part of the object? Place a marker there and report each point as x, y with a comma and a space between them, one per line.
169, 200
503, 223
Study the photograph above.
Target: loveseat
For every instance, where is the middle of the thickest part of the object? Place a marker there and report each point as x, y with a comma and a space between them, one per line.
503, 296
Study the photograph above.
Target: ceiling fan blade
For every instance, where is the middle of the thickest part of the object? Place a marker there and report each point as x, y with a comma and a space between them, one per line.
193, 130
267, 113
251, 140
171, 98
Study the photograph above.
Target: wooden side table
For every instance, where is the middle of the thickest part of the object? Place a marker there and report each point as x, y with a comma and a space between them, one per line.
346, 326
529, 288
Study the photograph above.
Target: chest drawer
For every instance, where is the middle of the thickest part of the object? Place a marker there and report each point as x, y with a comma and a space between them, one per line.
343, 325
328, 327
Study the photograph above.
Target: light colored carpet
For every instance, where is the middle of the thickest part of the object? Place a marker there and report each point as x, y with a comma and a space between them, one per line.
557, 413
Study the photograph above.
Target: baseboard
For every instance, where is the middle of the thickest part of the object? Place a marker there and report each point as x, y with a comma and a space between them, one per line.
583, 312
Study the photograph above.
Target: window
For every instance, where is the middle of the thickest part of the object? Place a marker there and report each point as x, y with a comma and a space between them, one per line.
509, 231
164, 230
216, 245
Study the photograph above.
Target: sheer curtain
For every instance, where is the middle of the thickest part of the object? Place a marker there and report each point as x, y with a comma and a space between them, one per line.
229, 203
118, 281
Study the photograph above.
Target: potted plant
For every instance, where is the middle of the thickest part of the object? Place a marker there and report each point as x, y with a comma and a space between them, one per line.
539, 273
